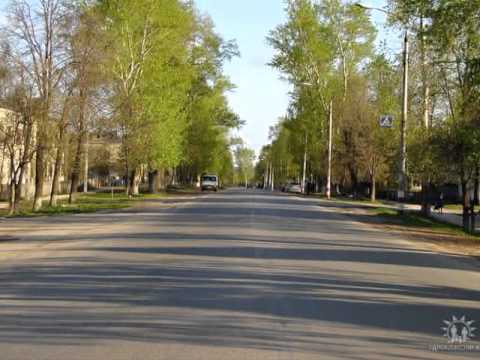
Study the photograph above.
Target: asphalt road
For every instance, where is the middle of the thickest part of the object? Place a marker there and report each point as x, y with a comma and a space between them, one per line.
232, 275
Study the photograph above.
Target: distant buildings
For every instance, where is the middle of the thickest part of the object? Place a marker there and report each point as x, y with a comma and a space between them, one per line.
101, 157
11, 148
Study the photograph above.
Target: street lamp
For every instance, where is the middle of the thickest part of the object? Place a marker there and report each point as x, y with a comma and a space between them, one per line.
403, 147
330, 146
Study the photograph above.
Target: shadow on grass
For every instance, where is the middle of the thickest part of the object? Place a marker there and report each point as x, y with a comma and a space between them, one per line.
414, 219
85, 204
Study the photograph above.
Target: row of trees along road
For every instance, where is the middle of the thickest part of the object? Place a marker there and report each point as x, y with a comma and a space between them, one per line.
326, 50
148, 73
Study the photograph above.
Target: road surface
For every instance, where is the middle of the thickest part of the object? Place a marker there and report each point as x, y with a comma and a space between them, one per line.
233, 275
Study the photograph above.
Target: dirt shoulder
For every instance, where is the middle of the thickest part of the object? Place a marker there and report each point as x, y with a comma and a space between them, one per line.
427, 234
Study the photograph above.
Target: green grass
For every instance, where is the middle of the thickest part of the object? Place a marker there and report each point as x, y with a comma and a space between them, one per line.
359, 201
182, 190
416, 220
385, 212
86, 203
457, 207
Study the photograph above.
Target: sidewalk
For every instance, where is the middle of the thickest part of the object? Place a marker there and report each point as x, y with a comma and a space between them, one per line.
452, 218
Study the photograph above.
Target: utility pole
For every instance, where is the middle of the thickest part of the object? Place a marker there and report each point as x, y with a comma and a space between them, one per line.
272, 178
269, 179
304, 163
426, 87
403, 145
426, 114
330, 145
265, 176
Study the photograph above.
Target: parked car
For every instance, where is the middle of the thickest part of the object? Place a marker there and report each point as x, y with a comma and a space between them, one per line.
209, 182
294, 188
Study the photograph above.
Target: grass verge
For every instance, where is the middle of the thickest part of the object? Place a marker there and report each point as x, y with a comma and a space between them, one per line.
86, 203
414, 220
456, 207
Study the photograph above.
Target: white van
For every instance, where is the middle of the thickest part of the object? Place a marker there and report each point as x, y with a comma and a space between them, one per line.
209, 182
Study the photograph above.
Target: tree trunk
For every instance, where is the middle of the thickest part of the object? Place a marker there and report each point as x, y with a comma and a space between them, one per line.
11, 198
134, 183
426, 208
56, 175
130, 177
127, 178
41, 154
466, 206
174, 176
1, 164
18, 189
82, 132
11, 185
19, 183
161, 180
130, 184
75, 177
373, 188
476, 185
354, 180
153, 181
25, 159
472, 218
60, 152
39, 175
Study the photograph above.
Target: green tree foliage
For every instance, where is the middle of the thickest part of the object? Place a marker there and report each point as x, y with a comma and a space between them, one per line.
450, 31
150, 70
147, 72
325, 50
320, 50
171, 91
209, 117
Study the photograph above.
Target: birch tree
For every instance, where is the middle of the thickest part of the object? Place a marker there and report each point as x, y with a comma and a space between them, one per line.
38, 34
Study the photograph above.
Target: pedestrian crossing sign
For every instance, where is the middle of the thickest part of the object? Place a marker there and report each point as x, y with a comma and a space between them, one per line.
386, 121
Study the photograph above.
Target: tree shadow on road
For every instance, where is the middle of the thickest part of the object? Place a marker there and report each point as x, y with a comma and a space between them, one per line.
200, 278
204, 302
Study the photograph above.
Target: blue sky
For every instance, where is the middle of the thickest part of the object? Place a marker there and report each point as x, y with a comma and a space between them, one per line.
260, 97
